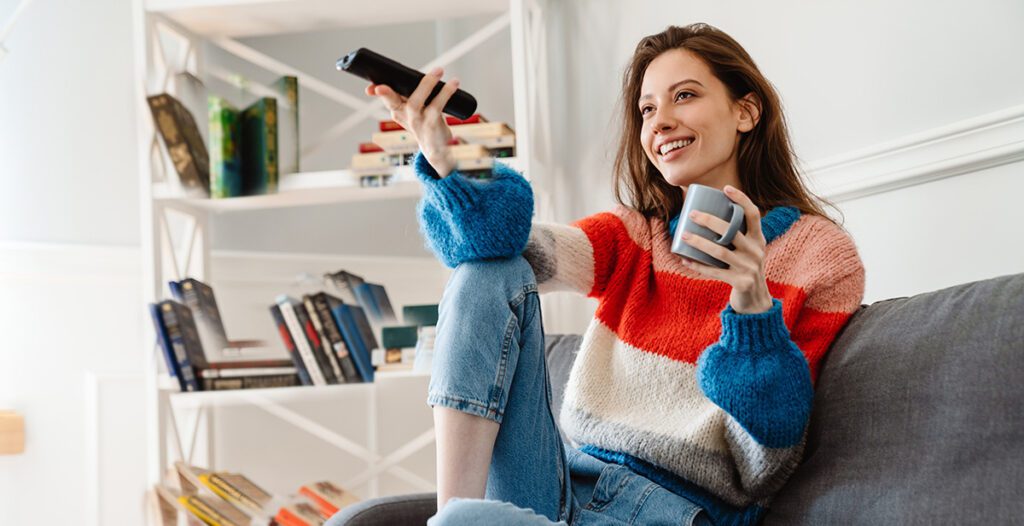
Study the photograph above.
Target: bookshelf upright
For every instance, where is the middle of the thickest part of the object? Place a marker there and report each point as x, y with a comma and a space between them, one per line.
221, 23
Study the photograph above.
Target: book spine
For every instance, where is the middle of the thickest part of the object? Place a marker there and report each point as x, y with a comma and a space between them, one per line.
288, 125
251, 371
165, 342
301, 343
383, 302
366, 299
270, 160
289, 344
354, 339
190, 334
187, 379
191, 163
225, 175
250, 382
322, 309
325, 345
315, 344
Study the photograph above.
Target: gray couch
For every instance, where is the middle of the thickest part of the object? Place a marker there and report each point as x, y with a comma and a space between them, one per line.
918, 418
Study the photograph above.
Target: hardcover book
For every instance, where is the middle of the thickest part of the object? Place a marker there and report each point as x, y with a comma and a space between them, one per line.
287, 89
325, 345
289, 344
199, 298
225, 163
238, 490
322, 305
289, 309
214, 511
355, 329
323, 358
328, 497
165, 320
259, 161
180, 134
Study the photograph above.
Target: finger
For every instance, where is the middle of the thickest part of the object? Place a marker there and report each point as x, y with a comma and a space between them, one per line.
392, 100
751, 212
427, 83
712, 249
720, 227
442, 98
703, 269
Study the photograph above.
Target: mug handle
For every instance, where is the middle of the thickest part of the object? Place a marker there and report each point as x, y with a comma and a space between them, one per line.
734, 225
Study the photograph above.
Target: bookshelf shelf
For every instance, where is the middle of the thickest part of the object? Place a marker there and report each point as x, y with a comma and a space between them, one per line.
240, 18
280, 395
305, 189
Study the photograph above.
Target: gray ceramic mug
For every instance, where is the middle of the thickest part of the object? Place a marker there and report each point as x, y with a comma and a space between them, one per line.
711, 201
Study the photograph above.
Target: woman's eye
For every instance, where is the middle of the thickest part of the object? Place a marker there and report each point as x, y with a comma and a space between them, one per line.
683, 93
643, 111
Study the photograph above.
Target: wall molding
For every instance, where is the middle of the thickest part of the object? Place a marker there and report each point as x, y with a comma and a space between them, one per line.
966, 146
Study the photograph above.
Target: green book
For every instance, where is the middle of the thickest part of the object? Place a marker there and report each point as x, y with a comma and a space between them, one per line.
225, 172
287, 89
258, 125
420, 315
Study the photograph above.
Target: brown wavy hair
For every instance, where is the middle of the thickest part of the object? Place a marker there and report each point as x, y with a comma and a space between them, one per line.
766, 162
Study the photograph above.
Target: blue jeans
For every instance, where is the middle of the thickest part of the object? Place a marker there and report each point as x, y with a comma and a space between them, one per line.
489, 361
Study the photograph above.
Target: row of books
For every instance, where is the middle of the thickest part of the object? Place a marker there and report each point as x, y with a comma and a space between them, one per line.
475, 144
329, 340
219, 498
221, 151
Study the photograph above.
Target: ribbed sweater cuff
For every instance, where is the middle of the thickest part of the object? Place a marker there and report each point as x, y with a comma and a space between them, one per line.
764, 331
452, 192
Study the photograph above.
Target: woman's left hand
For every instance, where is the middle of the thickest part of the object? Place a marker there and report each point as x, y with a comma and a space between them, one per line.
746, 264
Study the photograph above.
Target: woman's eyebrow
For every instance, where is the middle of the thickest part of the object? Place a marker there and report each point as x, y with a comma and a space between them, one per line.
674, 86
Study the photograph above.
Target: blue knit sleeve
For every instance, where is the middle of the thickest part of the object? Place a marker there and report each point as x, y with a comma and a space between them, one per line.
759, 376
464, 220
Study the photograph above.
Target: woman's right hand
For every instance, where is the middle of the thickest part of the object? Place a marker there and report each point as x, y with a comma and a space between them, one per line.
426, 123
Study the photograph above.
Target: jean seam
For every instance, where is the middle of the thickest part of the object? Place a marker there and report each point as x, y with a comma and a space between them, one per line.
642, 500
485, 409
498, 390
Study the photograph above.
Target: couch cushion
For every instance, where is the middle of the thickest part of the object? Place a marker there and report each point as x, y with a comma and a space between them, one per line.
560, 350
919, 414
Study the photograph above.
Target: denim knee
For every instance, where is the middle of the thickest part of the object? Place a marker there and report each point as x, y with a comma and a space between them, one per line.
509, 277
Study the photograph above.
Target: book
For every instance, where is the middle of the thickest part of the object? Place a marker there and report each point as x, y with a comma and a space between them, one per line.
214, 511
249, 382
180, 134
323, 358
258, 133
299, 513
420, 314
322, 305
355, 329
398, 348
225, 161
289, 310
400, 141
328, 497
239, 491
169, 334
289, 344
328, 351
390, 125
288, 152
374, 161
373, 298
369, 147
247, 371
249, 364
346, 283
480, 130
200, 299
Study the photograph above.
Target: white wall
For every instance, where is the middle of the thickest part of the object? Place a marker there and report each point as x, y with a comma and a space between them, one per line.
851, 76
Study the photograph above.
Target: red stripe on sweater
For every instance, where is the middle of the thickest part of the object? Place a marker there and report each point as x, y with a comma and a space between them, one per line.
668, 314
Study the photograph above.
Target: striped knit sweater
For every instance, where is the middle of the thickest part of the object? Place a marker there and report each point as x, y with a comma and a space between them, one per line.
669, 379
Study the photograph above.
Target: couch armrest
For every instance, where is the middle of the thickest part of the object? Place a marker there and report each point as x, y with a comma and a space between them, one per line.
399, 510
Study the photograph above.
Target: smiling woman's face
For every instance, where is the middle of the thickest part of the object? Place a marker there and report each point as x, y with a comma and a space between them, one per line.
691, 126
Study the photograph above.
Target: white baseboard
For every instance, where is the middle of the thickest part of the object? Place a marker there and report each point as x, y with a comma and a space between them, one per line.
962, 147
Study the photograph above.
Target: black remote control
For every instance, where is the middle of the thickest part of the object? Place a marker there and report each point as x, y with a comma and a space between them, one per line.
379, 69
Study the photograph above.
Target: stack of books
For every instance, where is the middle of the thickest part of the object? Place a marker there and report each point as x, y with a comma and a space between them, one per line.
220, 498
475, 144
220, 151
190, 325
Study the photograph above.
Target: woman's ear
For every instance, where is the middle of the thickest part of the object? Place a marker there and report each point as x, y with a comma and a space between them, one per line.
749, 108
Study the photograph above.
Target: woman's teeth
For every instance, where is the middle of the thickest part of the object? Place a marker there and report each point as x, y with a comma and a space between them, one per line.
668, 147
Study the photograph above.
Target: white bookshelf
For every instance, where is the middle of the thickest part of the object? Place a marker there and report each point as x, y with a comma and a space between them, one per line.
219, 22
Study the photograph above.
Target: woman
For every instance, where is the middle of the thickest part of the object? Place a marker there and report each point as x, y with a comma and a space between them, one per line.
689, 399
